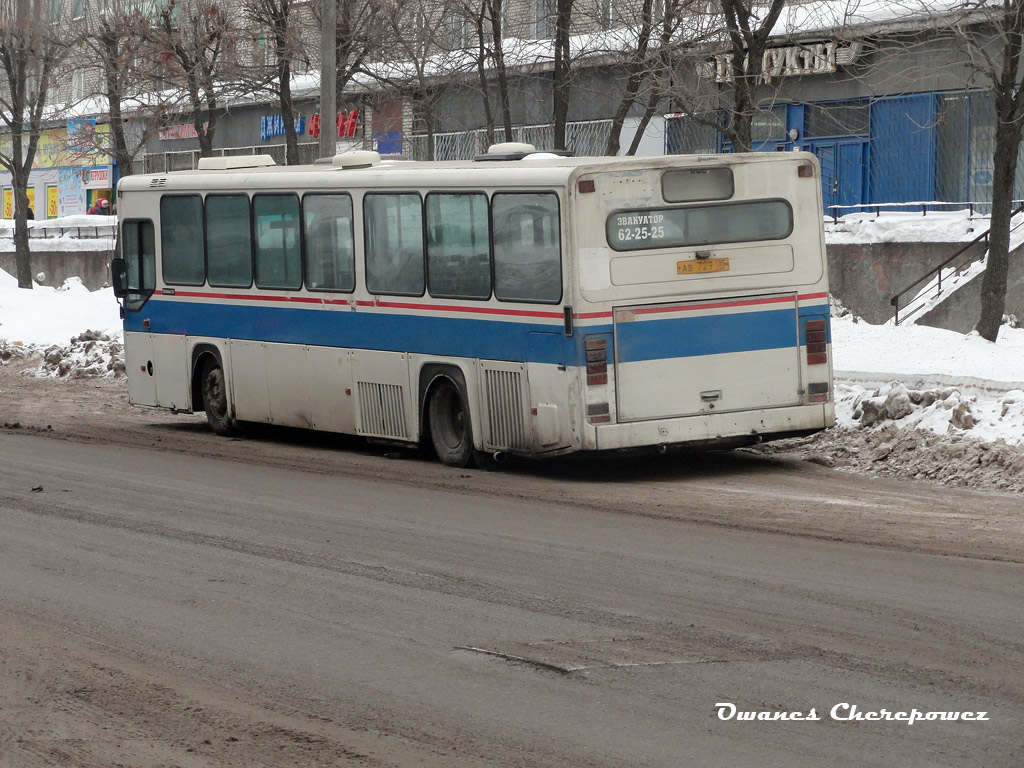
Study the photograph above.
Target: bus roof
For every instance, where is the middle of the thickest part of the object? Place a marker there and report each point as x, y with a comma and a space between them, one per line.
536, 169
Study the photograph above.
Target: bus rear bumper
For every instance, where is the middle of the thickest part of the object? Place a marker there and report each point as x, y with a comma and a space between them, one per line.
711, 429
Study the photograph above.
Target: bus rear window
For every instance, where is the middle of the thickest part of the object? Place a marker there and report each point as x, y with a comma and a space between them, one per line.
649, 228
691, 185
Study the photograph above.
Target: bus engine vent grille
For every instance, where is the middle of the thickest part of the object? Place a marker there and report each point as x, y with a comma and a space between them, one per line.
161, 182
505, 410
381, 410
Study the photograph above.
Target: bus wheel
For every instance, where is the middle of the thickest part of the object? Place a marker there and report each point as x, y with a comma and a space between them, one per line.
215, 399
450, 430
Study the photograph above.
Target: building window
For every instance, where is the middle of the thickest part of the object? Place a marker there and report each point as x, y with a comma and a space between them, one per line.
78, 86
78, 9
841, 118
455, 31
260, 54
544, 20
609, 13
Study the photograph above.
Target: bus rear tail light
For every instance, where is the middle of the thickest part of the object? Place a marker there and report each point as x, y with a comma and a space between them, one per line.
818, 392
596, 350
597, 361
817, 351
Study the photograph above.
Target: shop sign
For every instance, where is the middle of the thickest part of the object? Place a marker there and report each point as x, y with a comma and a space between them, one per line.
180, 131
807, 59
273, 125
55, 148
51, 201
347, 124
98, 178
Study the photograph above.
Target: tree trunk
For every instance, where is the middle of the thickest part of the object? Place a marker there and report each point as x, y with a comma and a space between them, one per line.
119, 142
625, 104
742, 110
494, 9
19, 180
636, 73
485, 86
291, 139
993, 281
560, 85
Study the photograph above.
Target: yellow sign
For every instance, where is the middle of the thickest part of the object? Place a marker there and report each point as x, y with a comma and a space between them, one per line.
699, 266
51, 201
9, 201
55, 150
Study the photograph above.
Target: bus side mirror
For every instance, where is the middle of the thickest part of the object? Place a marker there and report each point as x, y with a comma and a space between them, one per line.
119, 277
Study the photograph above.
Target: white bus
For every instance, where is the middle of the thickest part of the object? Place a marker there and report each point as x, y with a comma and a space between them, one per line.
523, 303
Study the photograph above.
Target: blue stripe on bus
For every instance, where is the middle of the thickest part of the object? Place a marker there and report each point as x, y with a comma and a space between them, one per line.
471, 337
706, 335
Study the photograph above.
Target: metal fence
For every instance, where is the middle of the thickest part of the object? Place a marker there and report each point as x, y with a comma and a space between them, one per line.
586, 138
187, 160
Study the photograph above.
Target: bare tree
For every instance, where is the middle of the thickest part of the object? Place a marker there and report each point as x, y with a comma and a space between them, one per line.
421, 61
486, 17
650, 48
32, 43
117, 37
360, 30
196, 43
995, 42
562, 74
749, 24
275, 21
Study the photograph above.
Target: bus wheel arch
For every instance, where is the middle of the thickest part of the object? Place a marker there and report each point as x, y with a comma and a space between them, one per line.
445, 414
210, 391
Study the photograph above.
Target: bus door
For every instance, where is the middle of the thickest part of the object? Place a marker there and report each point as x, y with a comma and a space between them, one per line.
706, 356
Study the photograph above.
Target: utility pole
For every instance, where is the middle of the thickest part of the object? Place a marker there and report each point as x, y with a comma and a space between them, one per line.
328, 79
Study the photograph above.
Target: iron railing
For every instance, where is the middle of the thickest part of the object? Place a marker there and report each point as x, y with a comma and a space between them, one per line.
894, 301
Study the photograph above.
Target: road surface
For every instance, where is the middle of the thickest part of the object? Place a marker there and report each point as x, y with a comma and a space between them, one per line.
188, 601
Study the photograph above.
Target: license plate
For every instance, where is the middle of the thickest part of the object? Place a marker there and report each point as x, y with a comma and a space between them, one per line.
700, 266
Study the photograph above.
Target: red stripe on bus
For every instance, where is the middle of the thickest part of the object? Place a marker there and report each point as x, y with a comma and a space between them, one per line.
714, 305
365, 303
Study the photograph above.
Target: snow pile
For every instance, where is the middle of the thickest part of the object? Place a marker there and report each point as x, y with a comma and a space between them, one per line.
905, 227
43, 316
12, 352
952, 459
923, 357
89, 355
942, 411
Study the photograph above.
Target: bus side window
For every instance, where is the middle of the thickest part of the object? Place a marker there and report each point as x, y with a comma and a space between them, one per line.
181, 239
138, 249
228, 241
527, 247
278, 253
393, 224
458, 249
330, 253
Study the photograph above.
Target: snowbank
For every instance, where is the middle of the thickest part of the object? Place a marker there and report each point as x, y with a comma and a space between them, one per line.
44, 316
921, 356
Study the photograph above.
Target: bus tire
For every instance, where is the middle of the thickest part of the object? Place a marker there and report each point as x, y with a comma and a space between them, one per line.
215, 399
450, 429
